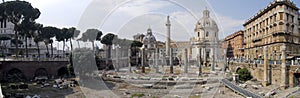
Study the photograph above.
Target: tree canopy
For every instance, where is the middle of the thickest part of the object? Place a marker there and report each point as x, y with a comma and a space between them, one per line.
108, 39
18, 11
136, 44
244, 74
91, 35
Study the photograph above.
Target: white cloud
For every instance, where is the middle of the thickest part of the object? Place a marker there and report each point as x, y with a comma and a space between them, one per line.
131, 16
228, 25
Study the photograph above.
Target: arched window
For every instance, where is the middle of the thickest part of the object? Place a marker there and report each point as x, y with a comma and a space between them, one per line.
198, 34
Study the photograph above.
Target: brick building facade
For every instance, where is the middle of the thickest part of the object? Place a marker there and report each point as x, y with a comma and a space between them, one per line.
234, 45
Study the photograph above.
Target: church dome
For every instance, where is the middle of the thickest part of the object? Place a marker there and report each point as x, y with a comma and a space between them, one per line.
206, 28
206, 22
149, 38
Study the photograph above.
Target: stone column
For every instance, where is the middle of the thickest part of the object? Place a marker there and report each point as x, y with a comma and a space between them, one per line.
168, 25
117, 59
171, 61
129, 59
283, 83
200, 66
156, 60
204, 56
266, 63
225, 60
213, 59
143, 60
186, 61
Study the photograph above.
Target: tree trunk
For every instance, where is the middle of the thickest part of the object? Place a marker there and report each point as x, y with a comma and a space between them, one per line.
71, 44
52, 50
48, 53
93, 45
78, 44
107, 55
38, 47
17, 44
63, 49
26, 46
3, 1
2, 48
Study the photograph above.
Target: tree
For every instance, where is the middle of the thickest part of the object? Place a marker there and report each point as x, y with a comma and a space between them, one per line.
16, 12
244, 74
3, 45
136, 44
108, 41
70, 35
134, 47
91, 35
60, 36
37, 36
26, 30
75, 37
99, 35
47, 33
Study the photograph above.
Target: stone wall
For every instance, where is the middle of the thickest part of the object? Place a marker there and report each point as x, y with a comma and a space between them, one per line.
28, 68
274, 74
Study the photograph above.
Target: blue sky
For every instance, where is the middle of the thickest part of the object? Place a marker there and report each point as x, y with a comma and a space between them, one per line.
241, 9
129, 17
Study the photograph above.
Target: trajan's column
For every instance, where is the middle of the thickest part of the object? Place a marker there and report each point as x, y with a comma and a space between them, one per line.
168, 24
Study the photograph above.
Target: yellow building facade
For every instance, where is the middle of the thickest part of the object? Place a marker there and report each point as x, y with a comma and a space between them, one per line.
273, 26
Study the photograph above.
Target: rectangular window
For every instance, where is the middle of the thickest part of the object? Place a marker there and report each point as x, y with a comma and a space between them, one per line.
287, 17
1, 23
5, 24
281, 16
275, 16
292, 18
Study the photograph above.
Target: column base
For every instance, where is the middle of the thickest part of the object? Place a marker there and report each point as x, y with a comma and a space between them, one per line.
265, 83
283, 87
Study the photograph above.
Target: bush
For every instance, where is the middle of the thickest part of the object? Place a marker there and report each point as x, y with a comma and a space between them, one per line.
139, 95
244, 74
